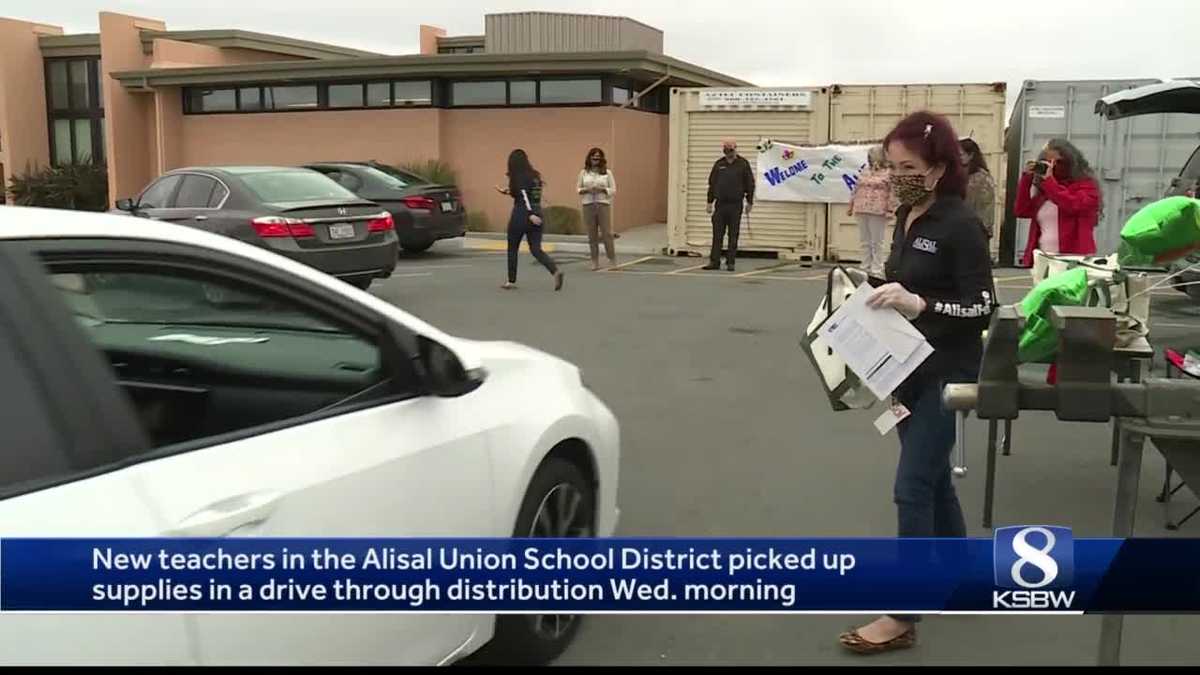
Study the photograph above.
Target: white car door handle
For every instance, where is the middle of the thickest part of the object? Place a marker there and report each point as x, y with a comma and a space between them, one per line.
221, 518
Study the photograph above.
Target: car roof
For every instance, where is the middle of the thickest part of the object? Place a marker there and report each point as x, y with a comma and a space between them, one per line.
236, 170
22, 222
1173, 96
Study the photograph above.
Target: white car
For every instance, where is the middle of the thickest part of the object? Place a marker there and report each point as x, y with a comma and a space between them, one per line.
267, 399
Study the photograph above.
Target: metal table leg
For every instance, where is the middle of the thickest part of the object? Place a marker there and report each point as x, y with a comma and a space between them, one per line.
989, 488
1124, 514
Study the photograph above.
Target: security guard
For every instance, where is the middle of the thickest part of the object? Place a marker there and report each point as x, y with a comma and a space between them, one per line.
729, 183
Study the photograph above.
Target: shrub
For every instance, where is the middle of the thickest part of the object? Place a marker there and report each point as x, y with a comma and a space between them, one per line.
432, 170
563, 220
478, 221
81, 187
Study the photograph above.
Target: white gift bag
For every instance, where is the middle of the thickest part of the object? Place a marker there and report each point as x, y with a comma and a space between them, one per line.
845, 390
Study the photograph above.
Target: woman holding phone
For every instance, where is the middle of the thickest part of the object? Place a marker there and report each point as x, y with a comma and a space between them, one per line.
1059, 193
525, 188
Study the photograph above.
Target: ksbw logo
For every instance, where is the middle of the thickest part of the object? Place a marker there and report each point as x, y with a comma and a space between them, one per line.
1036, 566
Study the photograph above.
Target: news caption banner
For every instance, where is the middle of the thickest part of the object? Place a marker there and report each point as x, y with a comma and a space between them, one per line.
1035, 569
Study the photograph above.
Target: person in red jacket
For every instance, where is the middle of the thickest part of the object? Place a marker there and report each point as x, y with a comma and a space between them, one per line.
1060, 194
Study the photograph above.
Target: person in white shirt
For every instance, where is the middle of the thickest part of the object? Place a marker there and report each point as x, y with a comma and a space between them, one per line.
596, 189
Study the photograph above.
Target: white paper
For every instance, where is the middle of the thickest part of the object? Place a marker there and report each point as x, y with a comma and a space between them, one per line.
891, 417
878, 345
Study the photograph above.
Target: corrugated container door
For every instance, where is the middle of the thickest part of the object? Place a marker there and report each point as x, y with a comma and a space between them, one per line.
861, 114
790, 229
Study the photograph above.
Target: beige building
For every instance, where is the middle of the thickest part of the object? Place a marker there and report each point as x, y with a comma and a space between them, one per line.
146, 99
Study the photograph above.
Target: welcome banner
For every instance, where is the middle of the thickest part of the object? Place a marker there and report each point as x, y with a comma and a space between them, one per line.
795, 173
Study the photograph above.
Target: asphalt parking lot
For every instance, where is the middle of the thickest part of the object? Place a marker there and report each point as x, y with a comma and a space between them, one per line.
727, 433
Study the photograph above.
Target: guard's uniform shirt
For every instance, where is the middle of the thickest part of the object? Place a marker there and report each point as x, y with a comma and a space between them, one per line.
943, 257
729, 183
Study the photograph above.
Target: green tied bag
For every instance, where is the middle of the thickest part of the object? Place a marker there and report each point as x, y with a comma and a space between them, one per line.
1039, 340
1161, 232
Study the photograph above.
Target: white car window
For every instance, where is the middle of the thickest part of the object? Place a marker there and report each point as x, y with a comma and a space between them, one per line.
201, 357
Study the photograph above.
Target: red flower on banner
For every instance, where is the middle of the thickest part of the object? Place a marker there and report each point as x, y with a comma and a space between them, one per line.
788, 154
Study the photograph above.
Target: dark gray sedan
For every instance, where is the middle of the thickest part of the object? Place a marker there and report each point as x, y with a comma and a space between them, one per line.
295, 212
424, 212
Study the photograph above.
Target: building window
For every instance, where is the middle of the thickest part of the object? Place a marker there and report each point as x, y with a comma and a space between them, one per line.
571, 91
379, 94
346, 95
478, 93
291, 97
620, 95
522, 93
76, 112
214, 100
413, 93
249, 99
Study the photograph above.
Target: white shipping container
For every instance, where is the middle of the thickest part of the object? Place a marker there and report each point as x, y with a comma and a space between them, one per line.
1134, 159
866, 113
700, 118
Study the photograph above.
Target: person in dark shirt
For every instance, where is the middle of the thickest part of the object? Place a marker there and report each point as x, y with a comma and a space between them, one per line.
525, 187
730, 182
939, 277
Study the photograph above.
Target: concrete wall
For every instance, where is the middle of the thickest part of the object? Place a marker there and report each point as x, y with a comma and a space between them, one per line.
640, 162
129, 120
475, 142
24, 139
290, 138
429, 39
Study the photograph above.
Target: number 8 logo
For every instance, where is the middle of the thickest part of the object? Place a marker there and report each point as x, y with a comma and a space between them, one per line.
1028, 555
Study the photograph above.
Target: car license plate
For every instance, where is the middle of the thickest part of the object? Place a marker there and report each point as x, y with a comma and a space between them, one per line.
447, 207
341, 231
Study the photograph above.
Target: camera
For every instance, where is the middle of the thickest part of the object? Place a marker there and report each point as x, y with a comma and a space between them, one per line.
1040, 168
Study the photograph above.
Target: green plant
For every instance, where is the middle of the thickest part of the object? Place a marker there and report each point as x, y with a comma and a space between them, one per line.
563, 220
81, 187
432, 170
478, 221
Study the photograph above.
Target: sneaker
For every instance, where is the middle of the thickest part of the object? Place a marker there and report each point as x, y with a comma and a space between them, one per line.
711, 266
508, 286
595, 266
729, 267
558, 280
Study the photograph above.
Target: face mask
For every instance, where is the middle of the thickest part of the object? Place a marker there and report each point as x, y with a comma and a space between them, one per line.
730, 152
1061, 170
910, 190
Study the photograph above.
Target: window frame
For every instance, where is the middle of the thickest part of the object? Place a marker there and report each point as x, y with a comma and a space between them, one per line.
93, 112
322, 87
397, 344
219, 183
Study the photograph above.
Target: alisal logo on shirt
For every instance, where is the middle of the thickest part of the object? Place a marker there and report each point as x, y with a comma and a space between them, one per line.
923, 244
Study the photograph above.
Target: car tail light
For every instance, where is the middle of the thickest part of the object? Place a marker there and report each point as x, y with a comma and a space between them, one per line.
382, 223
269, 227
420, 203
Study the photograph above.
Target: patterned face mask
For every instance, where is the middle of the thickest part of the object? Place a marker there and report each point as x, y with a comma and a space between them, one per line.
910, 190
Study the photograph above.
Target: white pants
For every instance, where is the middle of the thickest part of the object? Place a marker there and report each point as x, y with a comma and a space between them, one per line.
874, 254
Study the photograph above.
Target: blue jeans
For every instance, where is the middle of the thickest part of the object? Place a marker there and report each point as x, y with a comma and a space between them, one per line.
520, 228
926, 502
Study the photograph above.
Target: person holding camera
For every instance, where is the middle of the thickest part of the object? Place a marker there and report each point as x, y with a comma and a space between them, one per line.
1060, 195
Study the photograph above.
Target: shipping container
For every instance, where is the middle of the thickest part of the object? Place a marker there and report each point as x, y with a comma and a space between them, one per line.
700, 118
866, 113
1134, 159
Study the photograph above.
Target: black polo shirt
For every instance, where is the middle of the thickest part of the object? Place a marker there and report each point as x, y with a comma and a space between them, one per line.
943, 257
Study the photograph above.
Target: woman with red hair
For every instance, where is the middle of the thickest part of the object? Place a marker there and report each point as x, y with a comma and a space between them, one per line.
1059, 194
939, 276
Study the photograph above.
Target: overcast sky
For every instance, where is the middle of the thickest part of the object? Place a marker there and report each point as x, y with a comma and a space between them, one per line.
785, 42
